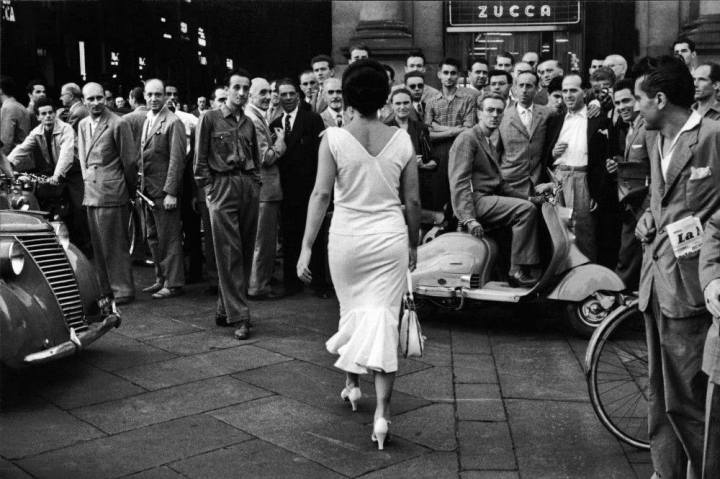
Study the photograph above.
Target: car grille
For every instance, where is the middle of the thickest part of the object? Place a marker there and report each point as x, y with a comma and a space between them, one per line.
474, 281
50, 258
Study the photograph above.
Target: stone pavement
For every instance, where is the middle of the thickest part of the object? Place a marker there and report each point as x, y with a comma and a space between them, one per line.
170, 395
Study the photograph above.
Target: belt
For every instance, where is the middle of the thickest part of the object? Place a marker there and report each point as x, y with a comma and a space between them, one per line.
571, 168
234, 172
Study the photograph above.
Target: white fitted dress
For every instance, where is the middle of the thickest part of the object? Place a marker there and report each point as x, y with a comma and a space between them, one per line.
368, 251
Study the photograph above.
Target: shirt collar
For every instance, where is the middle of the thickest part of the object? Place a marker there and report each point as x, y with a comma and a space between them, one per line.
292, 114
581, 114
255, 110
521, 108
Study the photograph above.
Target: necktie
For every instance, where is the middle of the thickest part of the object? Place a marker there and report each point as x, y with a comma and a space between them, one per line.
338, 120
287, 126
49, 142
419, 109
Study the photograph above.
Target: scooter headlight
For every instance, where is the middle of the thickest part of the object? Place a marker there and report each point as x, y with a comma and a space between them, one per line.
12, 259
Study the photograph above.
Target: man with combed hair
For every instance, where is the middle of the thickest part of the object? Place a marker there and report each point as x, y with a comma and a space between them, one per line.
163, 149
271, 145
333, 114
324, 68
706, 78
482, 200
618, 64
546, 70
415, 62
137, 117
685, 48
108, 160
504, 61
684, 194
532, 59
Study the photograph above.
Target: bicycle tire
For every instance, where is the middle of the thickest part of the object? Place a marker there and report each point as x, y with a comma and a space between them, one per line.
617, 375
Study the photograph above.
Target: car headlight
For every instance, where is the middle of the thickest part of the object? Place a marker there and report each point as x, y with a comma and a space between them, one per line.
12, 258
62, 234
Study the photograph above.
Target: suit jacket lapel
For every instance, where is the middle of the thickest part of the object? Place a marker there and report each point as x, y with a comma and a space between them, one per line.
681, 155
102, 124
536, 117
489, 151
517, 122
154, 129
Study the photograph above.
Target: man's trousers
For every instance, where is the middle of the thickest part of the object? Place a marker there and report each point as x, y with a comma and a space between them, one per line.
265, 248
630, 253
164, 237
207, 241
711, 456
111, 249
575, 194
521, 216
233, 202
677, 390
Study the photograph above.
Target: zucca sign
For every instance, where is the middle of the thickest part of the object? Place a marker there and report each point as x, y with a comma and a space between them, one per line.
465, 13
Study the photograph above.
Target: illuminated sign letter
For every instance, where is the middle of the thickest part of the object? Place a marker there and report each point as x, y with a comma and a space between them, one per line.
545, 11
498, 10
514, 11
530, 11
483, 11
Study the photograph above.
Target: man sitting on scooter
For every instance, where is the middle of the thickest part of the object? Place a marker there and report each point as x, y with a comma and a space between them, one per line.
481, 199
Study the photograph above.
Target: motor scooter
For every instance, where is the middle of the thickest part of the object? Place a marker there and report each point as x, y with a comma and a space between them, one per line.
455, 268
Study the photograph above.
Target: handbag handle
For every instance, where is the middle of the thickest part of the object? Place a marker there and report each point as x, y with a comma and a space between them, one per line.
409, 285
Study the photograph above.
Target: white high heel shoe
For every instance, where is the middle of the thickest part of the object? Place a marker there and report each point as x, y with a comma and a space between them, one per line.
352, 394
380, 432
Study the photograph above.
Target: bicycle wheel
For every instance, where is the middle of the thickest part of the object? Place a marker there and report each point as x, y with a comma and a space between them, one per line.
617, 375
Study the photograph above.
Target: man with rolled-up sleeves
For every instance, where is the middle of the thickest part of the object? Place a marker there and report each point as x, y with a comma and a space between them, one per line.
163, 145
227, 162
108, 161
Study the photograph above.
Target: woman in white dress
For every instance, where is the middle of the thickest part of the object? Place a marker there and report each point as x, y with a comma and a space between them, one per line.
370, 171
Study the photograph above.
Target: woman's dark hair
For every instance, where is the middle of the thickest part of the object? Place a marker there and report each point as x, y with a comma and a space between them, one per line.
365, 86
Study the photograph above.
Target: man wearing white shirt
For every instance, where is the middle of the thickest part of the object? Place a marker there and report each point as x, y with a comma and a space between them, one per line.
578, 148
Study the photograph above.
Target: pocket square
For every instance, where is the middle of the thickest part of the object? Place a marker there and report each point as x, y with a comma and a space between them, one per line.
604, 132
700, 172
636, 147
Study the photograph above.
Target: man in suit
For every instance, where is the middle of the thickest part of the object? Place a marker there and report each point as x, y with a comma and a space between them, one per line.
547, 70
271, 145
298, 167
632, 167
415, 62
137, 117
324, 68
108, 161
707, 82
333, 114
684, 193
163, 148
709, 265
482, 200
228, 164
478, 75
309, 88
576, 149
522, 138
72, 112
14, 119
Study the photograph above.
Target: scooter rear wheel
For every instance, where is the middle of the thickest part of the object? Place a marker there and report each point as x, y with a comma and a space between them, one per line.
585, 316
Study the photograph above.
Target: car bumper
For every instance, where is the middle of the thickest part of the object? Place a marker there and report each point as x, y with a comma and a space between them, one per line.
68, 348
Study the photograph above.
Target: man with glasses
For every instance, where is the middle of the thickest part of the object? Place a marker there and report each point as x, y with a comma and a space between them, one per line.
415, 83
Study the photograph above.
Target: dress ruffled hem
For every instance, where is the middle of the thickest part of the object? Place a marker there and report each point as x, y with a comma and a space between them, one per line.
367, 340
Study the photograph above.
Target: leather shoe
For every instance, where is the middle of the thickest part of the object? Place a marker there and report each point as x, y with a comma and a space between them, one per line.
221, 320
243, 332
124, 300
520, 279
168, 293
153, 288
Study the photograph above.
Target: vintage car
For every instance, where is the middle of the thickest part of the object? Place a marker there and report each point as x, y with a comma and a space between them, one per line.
50, 299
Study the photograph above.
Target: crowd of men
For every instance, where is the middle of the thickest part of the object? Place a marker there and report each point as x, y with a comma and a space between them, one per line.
633, 152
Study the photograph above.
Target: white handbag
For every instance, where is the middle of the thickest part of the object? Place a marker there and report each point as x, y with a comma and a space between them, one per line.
412, 341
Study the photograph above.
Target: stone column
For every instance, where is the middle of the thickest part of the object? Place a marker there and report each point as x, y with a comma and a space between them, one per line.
383, 28
705, 30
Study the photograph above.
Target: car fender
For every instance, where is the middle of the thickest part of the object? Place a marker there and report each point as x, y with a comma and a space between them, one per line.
87, 281
584, 280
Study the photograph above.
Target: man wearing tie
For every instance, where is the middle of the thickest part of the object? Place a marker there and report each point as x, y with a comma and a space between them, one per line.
522, 137
271, 145
298, 167
333, 114
162, 159
324, 68
108, 161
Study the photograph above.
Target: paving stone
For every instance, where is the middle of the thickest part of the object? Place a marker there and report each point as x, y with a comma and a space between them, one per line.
308, 348
171, 403
474, 368
73, 383
410, 365
434, 384
432, 426
191, 368
489, 475
436, 354
564, 440
643, 471
470, 341
115, 351
152, 325
38, 430
252, 459
196, 343
479, 402
486, 445
337, 443
135, 451
544, 369
8, 470
320, 387
156, 473
437, 465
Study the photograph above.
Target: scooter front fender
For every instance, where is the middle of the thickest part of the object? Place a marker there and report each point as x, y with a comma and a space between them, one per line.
584, 280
